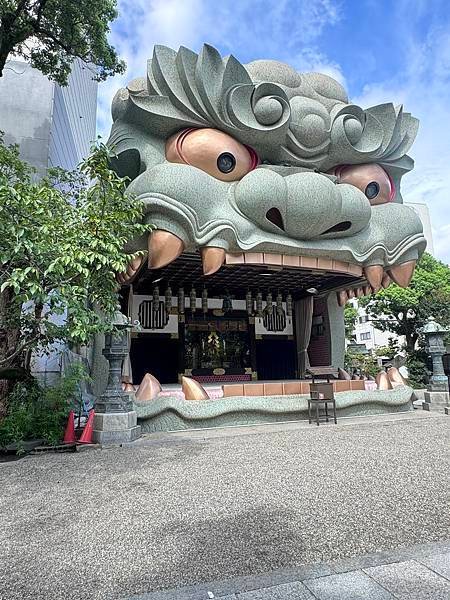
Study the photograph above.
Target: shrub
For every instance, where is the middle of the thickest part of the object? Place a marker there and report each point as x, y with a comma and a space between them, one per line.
417, 365
365, 364
36, 412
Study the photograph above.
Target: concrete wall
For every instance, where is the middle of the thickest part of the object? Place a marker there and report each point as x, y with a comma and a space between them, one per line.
26, 99
337, 331
53, 126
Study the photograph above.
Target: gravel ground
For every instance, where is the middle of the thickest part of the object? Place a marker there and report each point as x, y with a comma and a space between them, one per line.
111, 523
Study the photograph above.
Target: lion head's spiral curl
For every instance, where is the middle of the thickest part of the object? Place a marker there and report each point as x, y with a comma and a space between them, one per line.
259, 110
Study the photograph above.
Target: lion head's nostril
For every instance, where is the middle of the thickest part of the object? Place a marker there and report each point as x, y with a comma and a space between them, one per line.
343, 226
274, 216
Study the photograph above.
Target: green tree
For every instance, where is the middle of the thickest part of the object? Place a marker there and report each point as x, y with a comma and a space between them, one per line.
350, 316
389, 351
366, 364
61, 243
50, 34
404, 311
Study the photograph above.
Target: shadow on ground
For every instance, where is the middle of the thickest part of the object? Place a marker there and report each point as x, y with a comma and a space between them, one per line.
252, 542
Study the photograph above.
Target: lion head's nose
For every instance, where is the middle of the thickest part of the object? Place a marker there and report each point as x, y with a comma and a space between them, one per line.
302, 205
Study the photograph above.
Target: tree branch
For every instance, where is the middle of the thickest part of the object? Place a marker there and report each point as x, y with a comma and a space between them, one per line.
40, 10
38, 29
20, 7
18, 350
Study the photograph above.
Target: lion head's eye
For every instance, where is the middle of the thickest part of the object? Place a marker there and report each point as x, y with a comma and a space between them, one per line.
372, 190
372, 180
212, 151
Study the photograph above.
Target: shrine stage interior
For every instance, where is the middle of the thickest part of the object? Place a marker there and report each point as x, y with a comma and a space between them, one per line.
237, 325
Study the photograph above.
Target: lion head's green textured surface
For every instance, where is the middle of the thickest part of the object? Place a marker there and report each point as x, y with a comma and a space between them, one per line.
300, 125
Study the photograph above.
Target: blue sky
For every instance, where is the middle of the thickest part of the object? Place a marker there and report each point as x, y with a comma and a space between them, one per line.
382, 51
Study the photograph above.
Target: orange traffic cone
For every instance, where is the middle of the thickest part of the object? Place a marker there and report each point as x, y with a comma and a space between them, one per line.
69, 433
86, 436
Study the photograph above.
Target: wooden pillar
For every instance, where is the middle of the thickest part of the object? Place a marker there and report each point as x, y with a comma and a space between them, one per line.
252, 342
181, 344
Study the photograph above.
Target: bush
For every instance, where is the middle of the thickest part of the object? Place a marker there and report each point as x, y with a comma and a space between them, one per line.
417, 365
37, 412
365, 364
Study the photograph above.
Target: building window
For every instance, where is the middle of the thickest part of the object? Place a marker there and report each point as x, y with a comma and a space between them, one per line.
365, 336
318, 328
363, 319
151, 319
276, 321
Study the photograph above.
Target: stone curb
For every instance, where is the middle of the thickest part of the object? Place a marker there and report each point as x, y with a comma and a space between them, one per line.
226, 588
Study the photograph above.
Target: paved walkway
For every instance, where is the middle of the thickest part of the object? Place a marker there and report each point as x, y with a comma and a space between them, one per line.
421, 572
191, 507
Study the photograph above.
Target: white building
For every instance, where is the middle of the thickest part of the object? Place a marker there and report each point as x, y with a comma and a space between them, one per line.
367, 333
53, 126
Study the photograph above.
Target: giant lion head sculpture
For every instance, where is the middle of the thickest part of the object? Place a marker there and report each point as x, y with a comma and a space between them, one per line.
259, 158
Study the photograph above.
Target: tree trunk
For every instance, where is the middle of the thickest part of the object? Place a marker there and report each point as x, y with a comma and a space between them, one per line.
3, 57
12, 32
9, 338
411, 340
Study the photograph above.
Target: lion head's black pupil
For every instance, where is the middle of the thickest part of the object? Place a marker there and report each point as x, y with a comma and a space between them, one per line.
226, 162
372, 190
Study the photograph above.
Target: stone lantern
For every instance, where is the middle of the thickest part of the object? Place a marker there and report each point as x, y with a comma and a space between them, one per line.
437, 394
115, 421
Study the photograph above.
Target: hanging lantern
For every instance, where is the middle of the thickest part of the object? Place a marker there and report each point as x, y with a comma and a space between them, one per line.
205, 301
279, 302
181, 301
249, 303
259, 308
192, 300
227, 304
168, 299
289, 305
155, 299
269, 306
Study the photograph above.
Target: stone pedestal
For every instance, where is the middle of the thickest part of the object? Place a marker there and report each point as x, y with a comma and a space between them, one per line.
116, 428
436, 400
437, 394
115, 421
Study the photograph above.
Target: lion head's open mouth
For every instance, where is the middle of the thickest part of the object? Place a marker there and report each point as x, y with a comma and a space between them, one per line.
293, 274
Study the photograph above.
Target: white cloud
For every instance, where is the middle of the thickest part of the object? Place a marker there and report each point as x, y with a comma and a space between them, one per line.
140, 26
270, 29
313, 60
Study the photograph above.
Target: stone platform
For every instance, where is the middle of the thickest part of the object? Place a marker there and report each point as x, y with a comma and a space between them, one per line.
171, 413
436, 401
